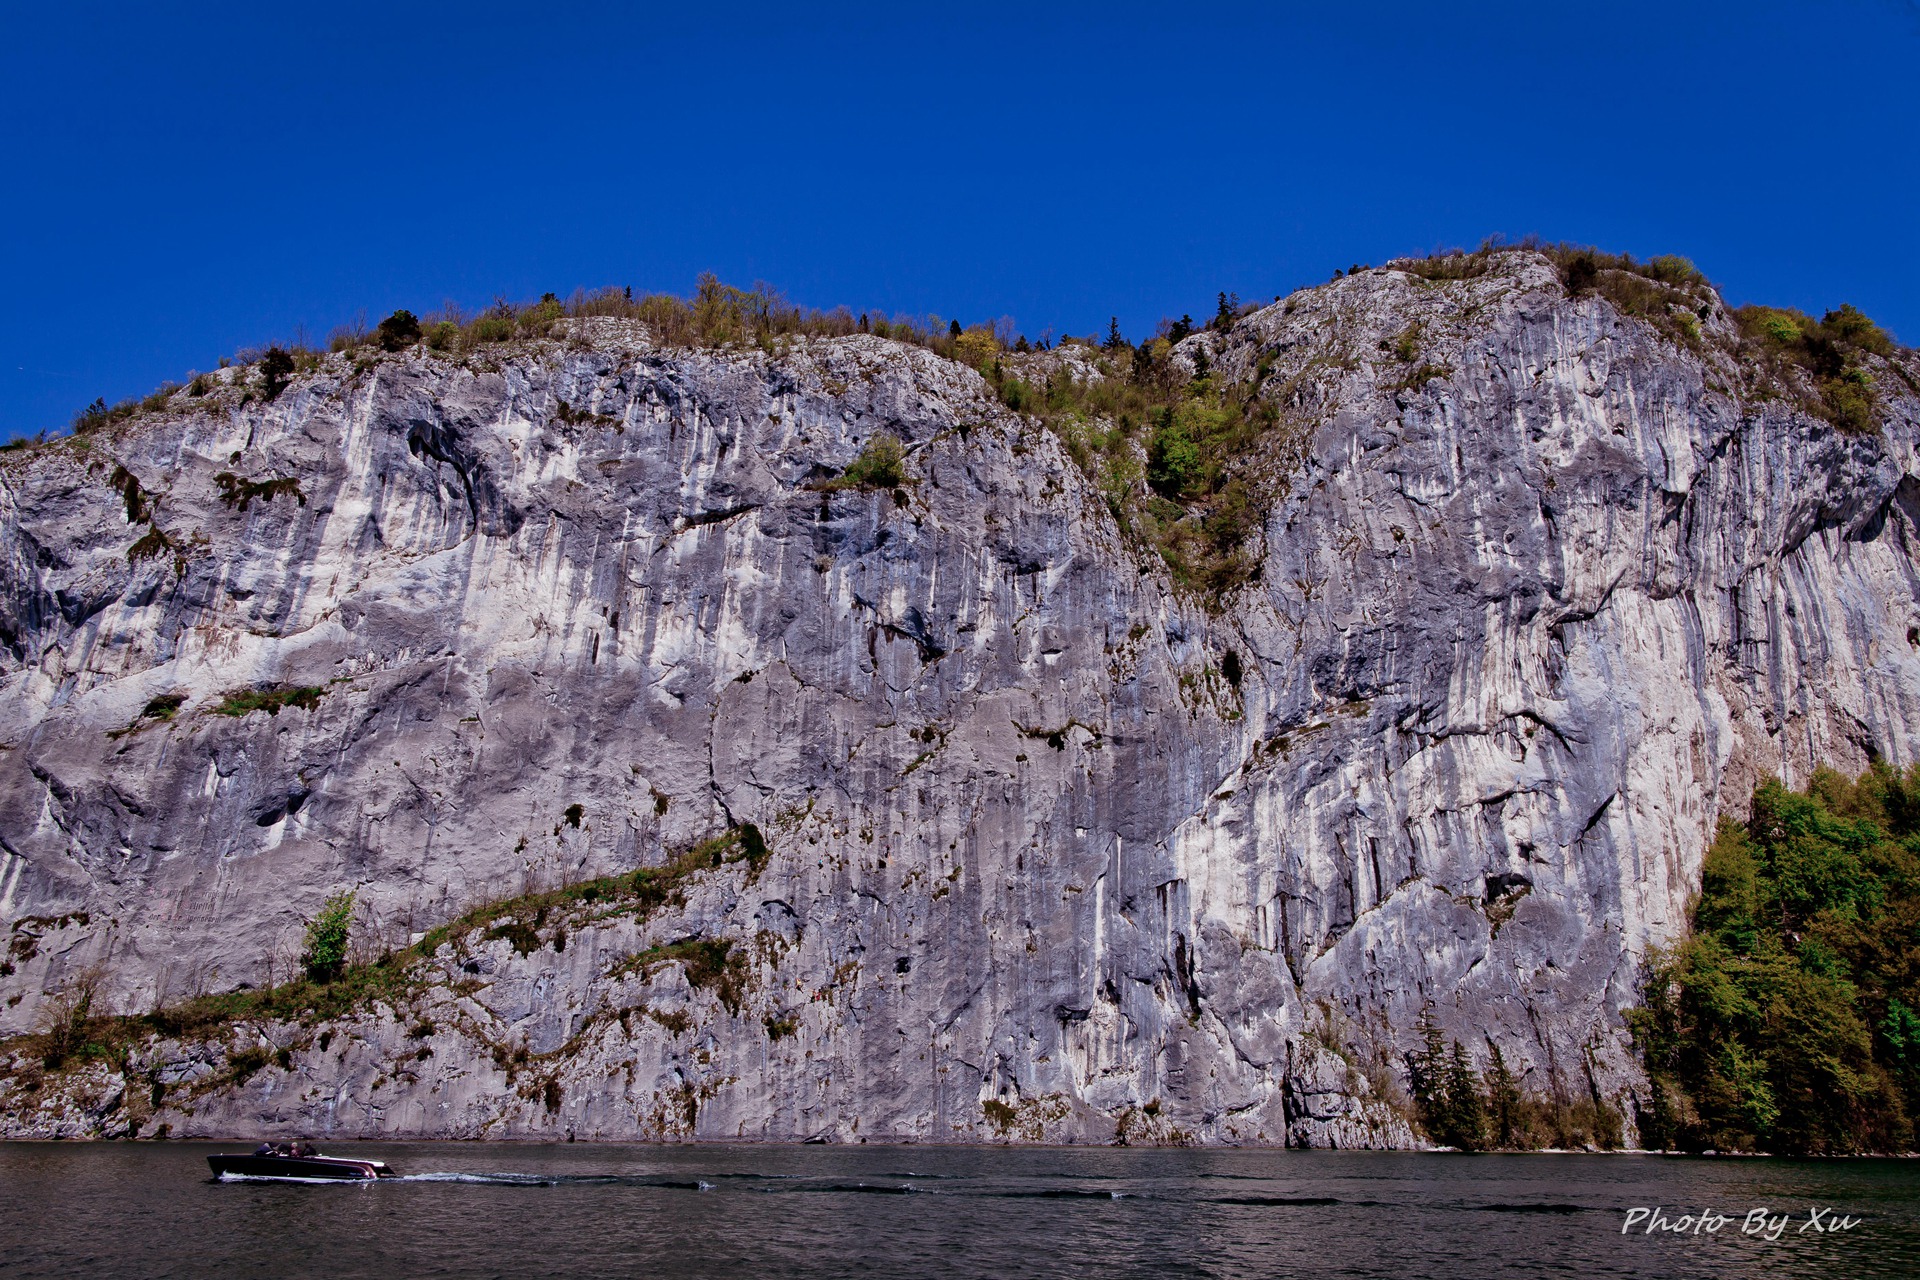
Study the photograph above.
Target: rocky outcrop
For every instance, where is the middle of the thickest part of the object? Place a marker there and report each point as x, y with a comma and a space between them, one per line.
1053, 851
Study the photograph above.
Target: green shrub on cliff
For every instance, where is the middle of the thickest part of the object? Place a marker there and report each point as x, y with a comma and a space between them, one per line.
327, 935
398, 331
882, 464
276, 370
1784, 1022
247, 701
1829, 351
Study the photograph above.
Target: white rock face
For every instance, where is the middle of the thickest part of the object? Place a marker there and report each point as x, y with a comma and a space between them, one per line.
1038, 870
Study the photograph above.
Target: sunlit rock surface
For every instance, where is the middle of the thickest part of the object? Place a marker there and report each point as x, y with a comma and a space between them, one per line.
1039, 869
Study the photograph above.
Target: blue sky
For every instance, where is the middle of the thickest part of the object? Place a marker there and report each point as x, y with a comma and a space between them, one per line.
181, 184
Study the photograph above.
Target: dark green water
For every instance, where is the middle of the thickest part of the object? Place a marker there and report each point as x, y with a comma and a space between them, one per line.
123, 1211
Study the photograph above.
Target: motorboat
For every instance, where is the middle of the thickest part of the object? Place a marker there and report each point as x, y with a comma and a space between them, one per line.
310, 1167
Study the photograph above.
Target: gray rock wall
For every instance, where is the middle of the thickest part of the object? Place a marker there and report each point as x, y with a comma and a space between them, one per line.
1039, 869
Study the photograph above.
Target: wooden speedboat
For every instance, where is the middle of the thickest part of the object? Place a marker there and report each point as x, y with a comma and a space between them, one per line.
304, 1168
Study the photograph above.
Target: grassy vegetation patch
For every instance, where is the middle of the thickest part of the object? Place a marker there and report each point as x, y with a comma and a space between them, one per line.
1175, 455
882, 464
1822, 366
247, 701
158, 710
715, 315
332, 985
711, 964
1828, 355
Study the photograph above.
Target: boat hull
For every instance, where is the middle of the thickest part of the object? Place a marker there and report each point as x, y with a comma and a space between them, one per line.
298, 1168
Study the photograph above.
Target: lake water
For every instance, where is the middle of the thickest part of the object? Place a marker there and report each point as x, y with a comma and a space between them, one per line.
124, 1211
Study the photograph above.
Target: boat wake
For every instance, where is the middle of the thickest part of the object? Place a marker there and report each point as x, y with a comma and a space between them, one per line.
311, 1182
562, 1180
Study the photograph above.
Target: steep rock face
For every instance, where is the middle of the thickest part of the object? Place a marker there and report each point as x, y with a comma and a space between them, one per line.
1036, 867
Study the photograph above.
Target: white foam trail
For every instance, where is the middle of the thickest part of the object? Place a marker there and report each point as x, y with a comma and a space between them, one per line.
496, 1179
312, 1182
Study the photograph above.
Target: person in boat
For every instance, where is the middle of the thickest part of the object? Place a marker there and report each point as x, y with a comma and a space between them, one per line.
283, 1149
302, 1149
264, 1149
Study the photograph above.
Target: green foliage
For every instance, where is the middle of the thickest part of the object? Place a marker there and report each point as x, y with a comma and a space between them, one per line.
332, 986
247, 701
538, 320
1226, 313
1173, 459
976, 346
159, 710
245, 1063
522, 933
1828, 353
1446, 1094
710, 964
276, 370
882, 464
1503, 1107
1670, 268
398, 331
1784, 1021
1668, 292
1850, 327
327, 933
1450, 264
1192, 441
490, 328
1456, 1107
1581, 273
65, 1021
999, 1114
164, 707
100, 415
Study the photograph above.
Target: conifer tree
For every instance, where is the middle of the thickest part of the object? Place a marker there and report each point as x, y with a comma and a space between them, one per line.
1229, 309
1503, 1100
1466, 1112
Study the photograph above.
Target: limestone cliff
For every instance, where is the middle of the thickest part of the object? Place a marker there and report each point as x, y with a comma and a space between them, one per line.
1041, 847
